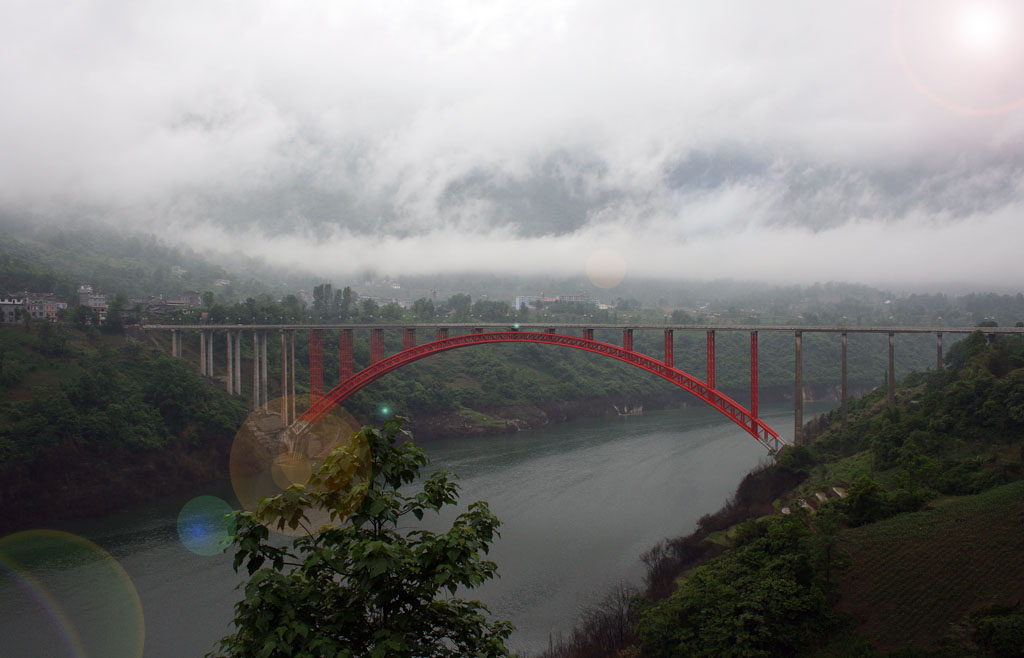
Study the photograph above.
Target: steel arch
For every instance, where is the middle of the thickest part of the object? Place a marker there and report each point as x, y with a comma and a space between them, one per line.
734, 411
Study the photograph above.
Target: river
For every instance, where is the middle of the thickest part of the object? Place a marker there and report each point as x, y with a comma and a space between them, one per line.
579, 503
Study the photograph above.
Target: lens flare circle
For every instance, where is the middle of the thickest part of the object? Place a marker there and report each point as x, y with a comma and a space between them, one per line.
204, 525
74, 588
977, 77
267, 457
606, 268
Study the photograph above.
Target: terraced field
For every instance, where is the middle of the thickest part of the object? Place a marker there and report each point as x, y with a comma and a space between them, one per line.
913, 575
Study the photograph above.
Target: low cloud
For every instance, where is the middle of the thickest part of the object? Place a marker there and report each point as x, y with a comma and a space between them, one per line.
811, 142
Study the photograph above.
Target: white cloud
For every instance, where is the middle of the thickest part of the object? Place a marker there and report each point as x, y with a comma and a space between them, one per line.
355, 120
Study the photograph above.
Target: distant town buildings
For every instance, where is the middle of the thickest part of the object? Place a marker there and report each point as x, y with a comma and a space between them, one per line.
36, 306
11, 309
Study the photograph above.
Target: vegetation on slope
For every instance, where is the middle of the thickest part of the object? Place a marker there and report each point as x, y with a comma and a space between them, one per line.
921, 556
101, 420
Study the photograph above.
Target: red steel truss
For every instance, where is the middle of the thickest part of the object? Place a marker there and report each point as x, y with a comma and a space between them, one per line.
376, 345
316, 365
727, 406
344, 354
711, 359
753, 373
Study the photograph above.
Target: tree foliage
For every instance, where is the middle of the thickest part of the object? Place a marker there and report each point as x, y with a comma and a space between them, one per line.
368, 587
767, 597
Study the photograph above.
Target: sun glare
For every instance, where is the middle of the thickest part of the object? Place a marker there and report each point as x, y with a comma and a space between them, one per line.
981, 27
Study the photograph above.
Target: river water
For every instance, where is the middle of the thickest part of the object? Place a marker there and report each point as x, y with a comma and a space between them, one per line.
579, 503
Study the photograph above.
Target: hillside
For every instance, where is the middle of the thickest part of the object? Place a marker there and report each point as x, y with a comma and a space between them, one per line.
913, 576
902, 534
91, 422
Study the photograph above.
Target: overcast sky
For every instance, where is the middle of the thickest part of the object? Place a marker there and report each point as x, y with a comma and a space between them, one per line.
871, 141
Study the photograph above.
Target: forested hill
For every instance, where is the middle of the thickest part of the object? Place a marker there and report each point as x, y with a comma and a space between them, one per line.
899, 536
91, 423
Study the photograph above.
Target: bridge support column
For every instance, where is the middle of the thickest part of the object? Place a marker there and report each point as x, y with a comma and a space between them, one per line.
291, 369
175, 343
669, 348
255, 370
408, 338
238, 363
938, 351
842, 394
588, 334
202, 353
377, 344
263, 370
798, 392
316, 365
892, 369
209, 353
345, 354
711, 359
753, 374
230, 361
284, 378
627, 340
442, 333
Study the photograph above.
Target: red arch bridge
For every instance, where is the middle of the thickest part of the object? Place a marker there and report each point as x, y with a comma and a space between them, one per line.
452, 336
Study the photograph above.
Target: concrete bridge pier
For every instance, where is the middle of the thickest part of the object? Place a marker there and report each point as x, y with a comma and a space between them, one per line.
202, 353
316, 365
938, 351
209, 353
255, 370
175, 342
843, 387
238, 363
263, 369
291, 362
892, 369
798, 392
284, 378
230, 361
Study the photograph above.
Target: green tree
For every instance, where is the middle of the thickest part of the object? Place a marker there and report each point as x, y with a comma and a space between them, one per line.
365, 588
423, 309
114, 323
460, 303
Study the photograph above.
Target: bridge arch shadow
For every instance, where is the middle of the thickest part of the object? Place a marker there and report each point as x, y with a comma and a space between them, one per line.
731, 409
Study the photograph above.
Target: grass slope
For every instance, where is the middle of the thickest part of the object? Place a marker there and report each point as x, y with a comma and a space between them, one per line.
913, 575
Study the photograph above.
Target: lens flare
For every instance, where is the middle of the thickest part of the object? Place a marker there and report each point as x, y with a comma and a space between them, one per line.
981, 27
958, 56
70, 597
268, 458
606, 268
204, 526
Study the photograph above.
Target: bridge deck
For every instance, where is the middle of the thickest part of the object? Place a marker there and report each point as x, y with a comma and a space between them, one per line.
506, 326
